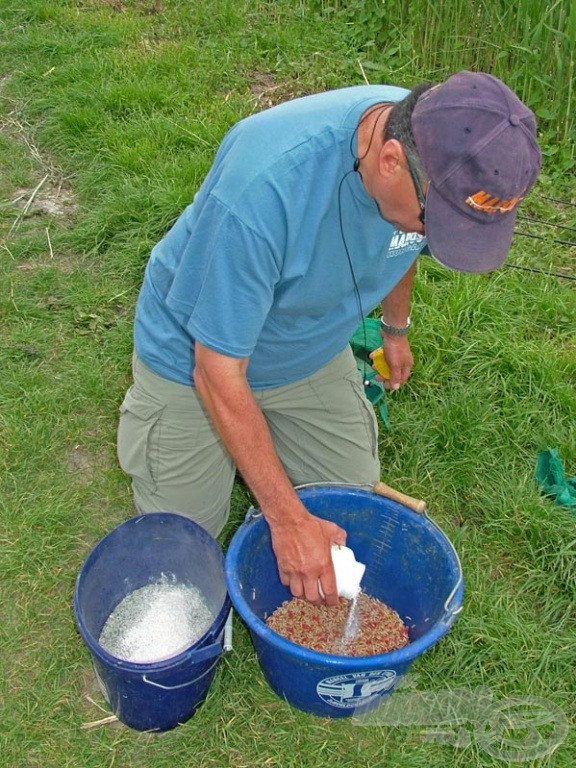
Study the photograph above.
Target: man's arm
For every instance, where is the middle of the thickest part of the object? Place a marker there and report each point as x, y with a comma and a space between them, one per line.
300, 540
395, 312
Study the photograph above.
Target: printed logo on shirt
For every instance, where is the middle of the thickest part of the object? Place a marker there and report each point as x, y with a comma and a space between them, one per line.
402, 242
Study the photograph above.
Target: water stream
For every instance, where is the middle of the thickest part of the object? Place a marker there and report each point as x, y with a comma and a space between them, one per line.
351, 628
352, 622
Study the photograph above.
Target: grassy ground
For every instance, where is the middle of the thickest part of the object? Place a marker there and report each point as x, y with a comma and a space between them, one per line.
110, 113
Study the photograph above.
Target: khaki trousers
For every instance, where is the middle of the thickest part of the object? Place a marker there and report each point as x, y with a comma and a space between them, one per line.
323, 427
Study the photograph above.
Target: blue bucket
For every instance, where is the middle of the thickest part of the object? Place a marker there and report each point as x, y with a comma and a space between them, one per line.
410, 565
160, 695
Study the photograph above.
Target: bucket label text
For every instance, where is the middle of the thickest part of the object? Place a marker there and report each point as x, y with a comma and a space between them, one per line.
355, 689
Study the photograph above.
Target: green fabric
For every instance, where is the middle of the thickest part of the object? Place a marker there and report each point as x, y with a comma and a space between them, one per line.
366, 339
552, 479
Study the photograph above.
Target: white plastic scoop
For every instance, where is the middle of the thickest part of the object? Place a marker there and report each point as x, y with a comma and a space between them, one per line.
348, 570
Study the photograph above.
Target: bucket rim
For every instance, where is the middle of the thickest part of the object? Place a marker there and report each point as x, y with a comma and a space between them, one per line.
361, 663
160, 665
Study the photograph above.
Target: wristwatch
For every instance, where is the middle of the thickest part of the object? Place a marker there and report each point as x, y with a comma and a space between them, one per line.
392, 330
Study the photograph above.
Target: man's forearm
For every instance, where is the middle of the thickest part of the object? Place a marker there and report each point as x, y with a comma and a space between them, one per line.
244, 431
301, 541
396, 305
395, 313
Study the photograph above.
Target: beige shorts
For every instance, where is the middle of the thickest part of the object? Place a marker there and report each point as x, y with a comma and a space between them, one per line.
323, 427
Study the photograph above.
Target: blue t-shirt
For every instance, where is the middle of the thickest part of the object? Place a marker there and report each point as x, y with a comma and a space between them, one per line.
281, 240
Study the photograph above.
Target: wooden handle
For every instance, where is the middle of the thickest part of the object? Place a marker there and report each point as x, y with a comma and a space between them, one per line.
418, 505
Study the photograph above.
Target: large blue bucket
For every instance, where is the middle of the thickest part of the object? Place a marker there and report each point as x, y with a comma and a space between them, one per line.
143, 550
410, 565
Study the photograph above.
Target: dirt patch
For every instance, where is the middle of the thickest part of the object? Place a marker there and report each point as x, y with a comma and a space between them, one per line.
97, 712
80, 463
48, 196
267, 91
84, 465
50, 200
261, 82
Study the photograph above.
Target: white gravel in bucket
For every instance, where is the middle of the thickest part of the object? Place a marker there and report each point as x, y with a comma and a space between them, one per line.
156, 622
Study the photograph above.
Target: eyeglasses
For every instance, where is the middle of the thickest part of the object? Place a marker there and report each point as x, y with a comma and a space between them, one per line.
419, 191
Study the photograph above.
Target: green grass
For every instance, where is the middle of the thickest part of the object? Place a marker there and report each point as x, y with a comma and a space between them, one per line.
530, 44
110, 113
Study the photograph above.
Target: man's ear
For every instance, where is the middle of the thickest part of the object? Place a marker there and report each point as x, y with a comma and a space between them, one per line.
391, 158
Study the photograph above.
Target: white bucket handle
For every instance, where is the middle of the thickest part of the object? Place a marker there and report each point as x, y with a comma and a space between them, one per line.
181, 685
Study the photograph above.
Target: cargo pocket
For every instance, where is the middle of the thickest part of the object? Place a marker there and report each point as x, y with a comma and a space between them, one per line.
365, 410
139, 437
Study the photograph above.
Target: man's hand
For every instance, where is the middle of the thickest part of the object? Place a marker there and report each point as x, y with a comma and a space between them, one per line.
400, 361
303, 553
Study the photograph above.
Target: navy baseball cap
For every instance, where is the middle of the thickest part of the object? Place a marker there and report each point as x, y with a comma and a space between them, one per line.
477, 142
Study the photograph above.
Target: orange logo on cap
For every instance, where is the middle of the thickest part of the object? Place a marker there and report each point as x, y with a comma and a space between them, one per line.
487, 203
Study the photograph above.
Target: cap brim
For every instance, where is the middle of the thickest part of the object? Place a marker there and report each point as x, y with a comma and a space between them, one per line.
459, 242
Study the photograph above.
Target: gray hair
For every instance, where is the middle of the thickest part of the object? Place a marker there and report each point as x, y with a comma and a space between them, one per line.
399, 126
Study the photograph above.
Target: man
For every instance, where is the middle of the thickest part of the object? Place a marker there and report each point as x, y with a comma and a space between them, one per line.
313, 213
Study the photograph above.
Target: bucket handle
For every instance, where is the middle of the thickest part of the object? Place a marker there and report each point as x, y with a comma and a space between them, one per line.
416, 505
202, 655
252, 514
182, 685
449, 611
